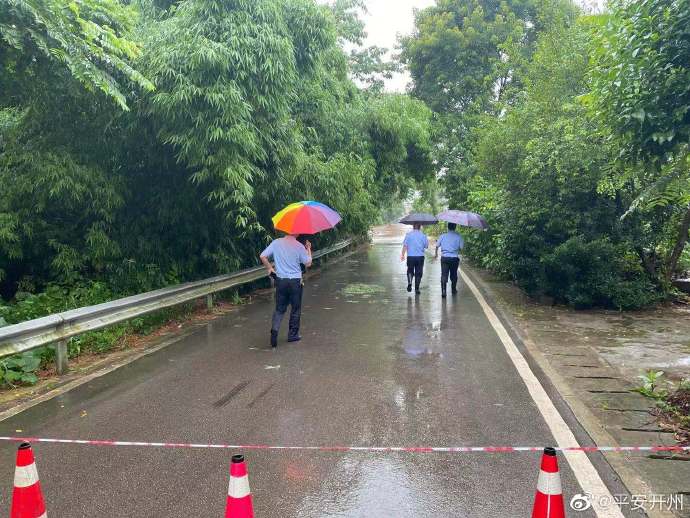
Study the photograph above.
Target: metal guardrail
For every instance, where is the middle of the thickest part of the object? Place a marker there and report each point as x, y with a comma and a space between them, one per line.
60, 327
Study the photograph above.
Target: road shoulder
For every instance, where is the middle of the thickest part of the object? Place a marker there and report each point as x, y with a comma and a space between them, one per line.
602, 401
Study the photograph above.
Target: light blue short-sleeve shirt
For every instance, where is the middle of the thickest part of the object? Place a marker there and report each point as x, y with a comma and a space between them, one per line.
288, 254
416, 242
450, 244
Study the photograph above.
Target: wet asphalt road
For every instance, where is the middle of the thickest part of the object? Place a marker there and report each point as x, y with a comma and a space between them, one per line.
388, 369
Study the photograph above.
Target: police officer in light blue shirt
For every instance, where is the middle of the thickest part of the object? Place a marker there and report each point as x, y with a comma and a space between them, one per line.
414, 245
288, 254
450, 244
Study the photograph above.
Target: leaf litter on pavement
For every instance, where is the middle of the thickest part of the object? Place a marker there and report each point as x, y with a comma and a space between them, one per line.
363, 290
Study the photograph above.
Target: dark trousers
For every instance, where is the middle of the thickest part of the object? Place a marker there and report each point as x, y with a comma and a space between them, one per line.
449, 265
288, 292
415, 269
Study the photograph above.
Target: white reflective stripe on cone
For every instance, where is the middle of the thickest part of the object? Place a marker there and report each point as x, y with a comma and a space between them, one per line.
25, 476
549, 483
239, 487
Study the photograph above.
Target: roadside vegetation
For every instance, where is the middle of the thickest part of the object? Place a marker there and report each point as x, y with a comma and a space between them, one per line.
148, 143
569, 132
672, 403
145, 143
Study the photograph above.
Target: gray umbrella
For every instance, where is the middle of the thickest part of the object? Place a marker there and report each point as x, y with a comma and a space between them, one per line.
419, 218
464, 218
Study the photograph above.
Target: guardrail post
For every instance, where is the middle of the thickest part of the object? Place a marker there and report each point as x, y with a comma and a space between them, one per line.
61, 357
209, 301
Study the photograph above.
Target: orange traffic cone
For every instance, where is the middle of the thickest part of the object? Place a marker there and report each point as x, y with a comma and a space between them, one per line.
27, 498
239, 496
548, 502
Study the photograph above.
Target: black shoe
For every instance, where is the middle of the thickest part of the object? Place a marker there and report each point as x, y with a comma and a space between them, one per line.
274, 338
409, 287
294, 338
454, 290
443, 292
418, 292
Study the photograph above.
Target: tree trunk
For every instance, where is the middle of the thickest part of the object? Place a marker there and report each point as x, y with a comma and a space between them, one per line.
649, 263
681, 240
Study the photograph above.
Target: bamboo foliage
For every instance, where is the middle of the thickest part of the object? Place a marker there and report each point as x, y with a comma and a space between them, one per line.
86, 36
252, 108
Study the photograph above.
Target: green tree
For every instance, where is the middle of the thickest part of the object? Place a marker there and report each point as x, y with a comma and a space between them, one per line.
87, 37
535, 170
640, 88
254, 107
226, 74
467, 58
457, 52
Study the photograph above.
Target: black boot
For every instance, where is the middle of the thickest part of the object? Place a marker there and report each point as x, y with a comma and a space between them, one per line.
409, 282
443, 291
416, 288
454, 289
274, 338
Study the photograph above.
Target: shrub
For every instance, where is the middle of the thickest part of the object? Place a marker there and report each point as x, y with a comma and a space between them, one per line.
584, 274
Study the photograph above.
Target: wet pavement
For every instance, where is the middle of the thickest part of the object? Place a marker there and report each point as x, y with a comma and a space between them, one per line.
632, 341
376, 367
594, 358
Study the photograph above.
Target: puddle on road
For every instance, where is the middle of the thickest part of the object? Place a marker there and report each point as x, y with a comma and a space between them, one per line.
361, 486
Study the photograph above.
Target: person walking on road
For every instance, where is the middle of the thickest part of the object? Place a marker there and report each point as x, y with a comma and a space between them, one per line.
450, 244
414, 245
289, 254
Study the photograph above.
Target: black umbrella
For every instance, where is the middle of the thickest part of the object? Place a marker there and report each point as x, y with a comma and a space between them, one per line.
419, 218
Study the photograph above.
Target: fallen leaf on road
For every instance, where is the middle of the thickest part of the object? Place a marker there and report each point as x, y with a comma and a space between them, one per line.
83, 413
267, 367
364, 290
327, 308
19, 431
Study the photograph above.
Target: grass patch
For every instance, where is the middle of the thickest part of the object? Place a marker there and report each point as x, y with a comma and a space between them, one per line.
672, 405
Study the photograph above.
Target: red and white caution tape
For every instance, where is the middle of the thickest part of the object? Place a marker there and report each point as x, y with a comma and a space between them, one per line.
406, 449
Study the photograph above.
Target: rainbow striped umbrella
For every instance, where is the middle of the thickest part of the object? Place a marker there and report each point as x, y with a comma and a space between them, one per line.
306, 217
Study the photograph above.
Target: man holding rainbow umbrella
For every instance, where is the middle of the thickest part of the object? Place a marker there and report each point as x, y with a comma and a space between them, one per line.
304, 217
